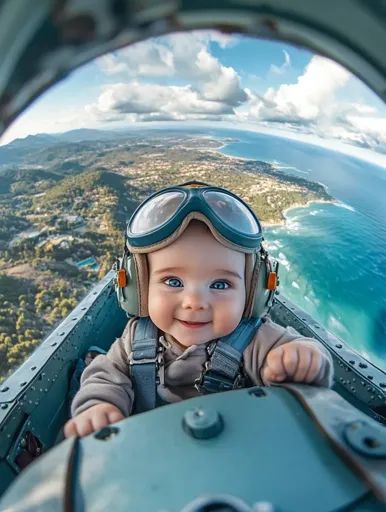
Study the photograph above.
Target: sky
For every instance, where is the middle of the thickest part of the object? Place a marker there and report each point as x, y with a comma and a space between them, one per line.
209, 77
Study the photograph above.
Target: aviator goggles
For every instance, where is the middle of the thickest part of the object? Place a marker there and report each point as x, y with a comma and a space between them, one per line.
163, 212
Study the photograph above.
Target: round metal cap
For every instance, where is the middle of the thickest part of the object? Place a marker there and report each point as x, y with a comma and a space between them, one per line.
366, 439
202, 423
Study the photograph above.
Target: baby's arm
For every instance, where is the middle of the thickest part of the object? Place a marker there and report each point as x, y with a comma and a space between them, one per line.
106, 393
278, 353
297, 361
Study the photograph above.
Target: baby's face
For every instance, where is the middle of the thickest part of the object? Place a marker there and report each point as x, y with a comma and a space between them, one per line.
196, 287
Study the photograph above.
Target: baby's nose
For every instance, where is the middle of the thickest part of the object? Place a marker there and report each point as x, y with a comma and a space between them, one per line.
195, 299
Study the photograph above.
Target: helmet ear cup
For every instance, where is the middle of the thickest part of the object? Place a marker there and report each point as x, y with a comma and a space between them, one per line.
127, 289
263, 296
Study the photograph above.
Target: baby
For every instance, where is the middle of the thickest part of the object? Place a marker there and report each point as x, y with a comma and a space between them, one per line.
198, 270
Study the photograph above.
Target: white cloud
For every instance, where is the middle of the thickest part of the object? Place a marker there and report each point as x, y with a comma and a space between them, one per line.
153, 101
148, 58
304, 101
183, 56
208, 89
279, 70
311, 105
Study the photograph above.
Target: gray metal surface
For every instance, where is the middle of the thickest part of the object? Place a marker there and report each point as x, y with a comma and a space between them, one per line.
269, 450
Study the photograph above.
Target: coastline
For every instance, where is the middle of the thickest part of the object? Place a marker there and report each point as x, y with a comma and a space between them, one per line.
273, 224
297, 205
233, 157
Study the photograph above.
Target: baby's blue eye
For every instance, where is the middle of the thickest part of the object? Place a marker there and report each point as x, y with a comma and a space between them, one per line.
173, 282
220, 285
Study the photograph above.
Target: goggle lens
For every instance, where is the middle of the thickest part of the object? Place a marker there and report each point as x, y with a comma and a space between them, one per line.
232, 212
156, 212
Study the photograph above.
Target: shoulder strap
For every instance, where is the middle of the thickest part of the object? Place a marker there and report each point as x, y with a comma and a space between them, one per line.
144, 362
222, 371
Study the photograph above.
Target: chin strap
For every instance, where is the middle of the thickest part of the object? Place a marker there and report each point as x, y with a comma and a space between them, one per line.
222, 371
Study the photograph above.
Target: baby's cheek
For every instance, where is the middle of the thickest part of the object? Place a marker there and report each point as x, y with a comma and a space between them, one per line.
229, 317
157, 311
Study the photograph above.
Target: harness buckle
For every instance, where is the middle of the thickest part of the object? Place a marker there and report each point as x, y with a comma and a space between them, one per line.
157, 360
211, 382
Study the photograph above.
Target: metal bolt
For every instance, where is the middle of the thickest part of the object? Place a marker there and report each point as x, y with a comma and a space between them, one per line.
202, 423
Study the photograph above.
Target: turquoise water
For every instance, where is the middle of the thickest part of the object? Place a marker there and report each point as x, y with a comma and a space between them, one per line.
333, 256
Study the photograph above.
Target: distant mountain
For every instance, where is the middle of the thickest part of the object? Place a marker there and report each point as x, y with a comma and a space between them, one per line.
17, 150
23, 150
83, 134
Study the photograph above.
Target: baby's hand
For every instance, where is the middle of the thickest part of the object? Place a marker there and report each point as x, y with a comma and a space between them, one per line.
297, 362
92, 419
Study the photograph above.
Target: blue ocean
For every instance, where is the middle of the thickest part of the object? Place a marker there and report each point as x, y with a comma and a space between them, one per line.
333, 256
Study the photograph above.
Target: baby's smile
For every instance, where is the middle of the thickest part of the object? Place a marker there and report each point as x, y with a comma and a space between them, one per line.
192, 325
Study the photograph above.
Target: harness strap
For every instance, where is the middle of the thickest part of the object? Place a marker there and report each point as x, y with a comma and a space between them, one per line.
144, 362
222, 371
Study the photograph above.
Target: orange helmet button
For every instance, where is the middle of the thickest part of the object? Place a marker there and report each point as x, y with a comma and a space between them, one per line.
121, 278
272, 281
